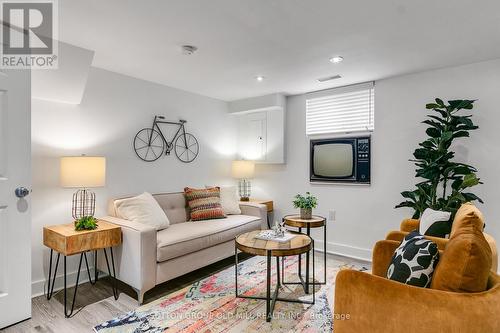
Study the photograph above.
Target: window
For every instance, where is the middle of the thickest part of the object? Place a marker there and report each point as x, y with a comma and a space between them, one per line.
348, 109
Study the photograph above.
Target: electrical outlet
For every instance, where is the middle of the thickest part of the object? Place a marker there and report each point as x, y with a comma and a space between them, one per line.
331, 215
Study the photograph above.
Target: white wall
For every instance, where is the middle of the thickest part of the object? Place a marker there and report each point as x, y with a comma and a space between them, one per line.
113, 109
365, 214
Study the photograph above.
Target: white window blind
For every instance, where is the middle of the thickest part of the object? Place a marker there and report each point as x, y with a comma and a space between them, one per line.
345, 111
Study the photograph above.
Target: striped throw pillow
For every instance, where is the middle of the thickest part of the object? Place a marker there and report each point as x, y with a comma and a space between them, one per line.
204, 204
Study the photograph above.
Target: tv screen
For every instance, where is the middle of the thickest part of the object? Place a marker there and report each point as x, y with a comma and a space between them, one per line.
333, 160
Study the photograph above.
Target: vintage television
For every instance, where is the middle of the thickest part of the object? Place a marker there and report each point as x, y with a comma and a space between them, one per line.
340, 160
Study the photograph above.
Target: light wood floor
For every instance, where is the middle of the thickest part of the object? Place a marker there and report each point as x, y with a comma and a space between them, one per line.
98, 305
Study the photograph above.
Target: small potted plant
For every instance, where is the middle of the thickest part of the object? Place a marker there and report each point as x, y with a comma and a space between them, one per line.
306, 204
86, 223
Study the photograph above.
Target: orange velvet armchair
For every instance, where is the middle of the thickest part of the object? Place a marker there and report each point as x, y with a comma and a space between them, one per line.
372, 303
409, 225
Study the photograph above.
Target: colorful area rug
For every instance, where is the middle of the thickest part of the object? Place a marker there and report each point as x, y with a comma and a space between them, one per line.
210, 305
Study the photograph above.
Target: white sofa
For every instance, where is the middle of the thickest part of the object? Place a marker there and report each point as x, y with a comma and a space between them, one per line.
148, 257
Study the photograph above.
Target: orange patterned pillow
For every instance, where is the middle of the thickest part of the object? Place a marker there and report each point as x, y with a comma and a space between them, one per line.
204, 204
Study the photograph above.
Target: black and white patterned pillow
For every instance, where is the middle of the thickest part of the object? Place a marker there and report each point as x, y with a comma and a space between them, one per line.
414, 261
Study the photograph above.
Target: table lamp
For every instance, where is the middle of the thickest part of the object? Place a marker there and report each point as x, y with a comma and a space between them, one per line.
243, 170
83, 172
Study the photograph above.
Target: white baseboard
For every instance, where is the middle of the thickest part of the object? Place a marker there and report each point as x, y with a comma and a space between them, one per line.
38, 287
344, 250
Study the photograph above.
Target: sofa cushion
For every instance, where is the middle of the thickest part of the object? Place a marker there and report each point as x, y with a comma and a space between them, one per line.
142, 209
229, 199
183, 238
204, 204
465, 264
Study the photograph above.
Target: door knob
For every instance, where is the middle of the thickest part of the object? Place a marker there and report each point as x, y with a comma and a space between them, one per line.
21, 192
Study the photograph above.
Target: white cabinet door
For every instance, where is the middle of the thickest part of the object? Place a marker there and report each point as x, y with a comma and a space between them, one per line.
15, 219
252, 136
261, 136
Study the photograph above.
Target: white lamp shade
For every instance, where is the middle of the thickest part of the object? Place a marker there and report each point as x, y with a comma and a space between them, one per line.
83, 171
243, 169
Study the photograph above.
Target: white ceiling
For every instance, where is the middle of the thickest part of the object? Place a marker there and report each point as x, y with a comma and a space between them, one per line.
287, 41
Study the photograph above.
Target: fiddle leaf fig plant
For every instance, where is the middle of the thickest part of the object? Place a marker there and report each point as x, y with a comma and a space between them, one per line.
444, 183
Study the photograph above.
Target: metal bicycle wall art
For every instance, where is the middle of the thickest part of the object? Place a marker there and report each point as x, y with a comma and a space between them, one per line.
150, 142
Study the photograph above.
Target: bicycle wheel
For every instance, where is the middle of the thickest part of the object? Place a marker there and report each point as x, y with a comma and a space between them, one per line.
186, 150
146, 150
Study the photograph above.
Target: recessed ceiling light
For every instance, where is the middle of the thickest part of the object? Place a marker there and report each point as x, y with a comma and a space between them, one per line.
336, 59
260, 78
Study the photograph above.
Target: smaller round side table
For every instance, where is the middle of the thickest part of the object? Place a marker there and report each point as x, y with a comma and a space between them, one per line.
315, 221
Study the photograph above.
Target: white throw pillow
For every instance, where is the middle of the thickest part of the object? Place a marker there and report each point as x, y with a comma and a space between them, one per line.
142, 209
431, 216
229, 199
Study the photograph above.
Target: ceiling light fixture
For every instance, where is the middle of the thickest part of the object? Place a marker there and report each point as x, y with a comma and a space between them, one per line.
336, 59
328, 78
188, 49
260, 78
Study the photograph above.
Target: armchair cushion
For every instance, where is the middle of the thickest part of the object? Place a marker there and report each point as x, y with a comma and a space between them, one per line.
414, 261
435, 223
467, 217
465, 263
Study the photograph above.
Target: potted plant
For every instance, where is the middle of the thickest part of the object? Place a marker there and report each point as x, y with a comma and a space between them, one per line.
306, 204
442, 183
86, 223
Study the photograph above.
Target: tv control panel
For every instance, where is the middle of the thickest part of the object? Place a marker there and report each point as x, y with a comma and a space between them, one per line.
363, 149
363, 160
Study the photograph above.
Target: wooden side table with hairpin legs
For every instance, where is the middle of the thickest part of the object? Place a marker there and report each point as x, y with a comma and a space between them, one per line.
270, 208
65, 240
314, 222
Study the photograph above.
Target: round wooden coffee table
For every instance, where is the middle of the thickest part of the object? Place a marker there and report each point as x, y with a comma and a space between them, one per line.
248, 243
315, 221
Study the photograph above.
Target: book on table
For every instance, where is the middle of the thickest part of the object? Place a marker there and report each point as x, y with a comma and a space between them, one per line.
271, 235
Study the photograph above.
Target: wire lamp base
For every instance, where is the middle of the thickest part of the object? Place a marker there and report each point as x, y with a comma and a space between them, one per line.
83, 204
244, 189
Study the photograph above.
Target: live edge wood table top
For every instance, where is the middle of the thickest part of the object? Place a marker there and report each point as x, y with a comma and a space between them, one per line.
249, 244
64, 239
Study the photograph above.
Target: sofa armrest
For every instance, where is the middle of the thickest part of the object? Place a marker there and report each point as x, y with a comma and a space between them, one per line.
382, 255
135, 259
375, 304
408, 225
255, 209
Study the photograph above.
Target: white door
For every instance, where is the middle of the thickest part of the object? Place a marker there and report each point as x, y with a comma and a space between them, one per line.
15, 218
